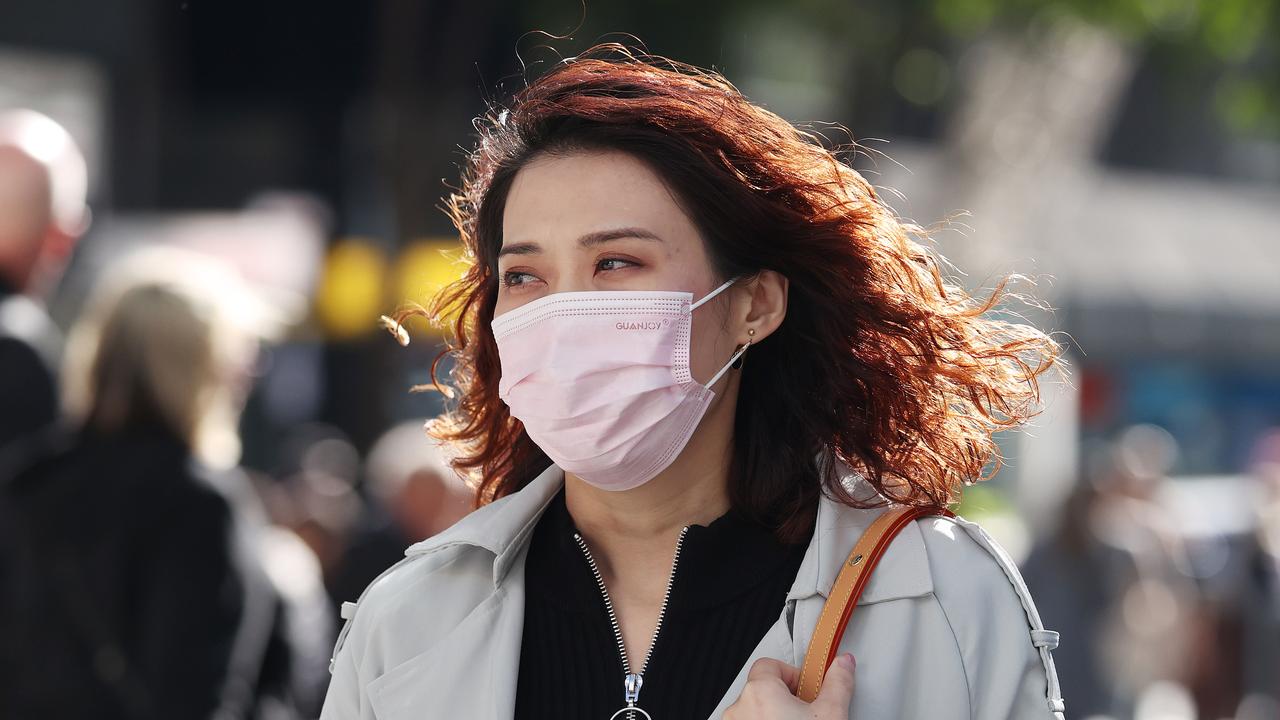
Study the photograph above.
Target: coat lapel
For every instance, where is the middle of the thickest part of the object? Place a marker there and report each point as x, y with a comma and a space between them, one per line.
458, 672
472, 669
903, 572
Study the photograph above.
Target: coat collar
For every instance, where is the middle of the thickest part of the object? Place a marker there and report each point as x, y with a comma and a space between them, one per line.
483, 649
903, 570
504, 526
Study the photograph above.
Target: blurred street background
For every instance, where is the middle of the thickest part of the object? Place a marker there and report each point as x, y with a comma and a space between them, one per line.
263, 181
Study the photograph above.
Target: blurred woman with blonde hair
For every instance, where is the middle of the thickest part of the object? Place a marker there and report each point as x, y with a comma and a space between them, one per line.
168, 338
136, 581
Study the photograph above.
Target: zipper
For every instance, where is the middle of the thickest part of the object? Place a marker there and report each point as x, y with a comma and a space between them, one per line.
632, 682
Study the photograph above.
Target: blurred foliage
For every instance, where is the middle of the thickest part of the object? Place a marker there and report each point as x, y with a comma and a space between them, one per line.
982, 500
1236, 40
898, 46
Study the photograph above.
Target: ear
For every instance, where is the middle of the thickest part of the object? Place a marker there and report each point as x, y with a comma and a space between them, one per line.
763, 306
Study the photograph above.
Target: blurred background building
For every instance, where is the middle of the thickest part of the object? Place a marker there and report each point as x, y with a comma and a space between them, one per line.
1124, 157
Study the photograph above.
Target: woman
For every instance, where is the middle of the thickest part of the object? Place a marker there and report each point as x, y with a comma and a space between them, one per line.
140, 588
696, 357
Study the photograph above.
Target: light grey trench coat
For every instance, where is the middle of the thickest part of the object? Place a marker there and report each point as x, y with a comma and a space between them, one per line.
945, 629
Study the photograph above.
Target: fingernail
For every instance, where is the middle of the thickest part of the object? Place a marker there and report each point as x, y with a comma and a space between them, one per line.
846, 661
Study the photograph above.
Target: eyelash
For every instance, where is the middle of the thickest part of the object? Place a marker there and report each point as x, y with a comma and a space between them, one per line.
506, 276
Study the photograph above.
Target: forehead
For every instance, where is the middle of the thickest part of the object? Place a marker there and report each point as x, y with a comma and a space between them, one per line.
25, 194
558, 197
21, 174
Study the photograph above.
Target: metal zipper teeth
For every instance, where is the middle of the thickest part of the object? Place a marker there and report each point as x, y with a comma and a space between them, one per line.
608, 603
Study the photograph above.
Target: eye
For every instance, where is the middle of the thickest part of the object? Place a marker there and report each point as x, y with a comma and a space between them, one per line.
512, 278
606, 264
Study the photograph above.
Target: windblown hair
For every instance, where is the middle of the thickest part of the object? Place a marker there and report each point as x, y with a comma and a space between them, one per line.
880, 361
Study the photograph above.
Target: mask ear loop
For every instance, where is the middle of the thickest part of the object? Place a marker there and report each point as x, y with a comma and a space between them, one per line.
743, 349
729, 364
715, 292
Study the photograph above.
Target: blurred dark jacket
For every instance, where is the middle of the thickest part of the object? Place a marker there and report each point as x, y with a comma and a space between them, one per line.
1240, 581
29, 345
375, 544
132, 590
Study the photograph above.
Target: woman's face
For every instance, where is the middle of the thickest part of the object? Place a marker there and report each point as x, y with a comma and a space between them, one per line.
603, 220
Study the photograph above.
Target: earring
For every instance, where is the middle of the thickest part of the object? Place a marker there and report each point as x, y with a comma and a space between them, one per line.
737, 364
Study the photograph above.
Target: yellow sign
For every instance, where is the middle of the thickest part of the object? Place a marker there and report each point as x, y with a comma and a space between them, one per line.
422, 270
352, 289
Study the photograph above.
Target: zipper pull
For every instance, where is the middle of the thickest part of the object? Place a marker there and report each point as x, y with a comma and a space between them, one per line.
632, 684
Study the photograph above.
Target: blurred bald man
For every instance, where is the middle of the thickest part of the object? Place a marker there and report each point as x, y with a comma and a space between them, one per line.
410, 475
43, 185
415, 495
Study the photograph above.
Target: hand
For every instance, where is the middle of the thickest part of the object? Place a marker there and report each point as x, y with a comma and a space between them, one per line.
770, 693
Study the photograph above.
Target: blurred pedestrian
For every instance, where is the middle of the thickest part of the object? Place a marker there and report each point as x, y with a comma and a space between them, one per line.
1072, 574
136, 587
1111, 575
318, 500
1238, 663
408, 473
43, 182
410, 494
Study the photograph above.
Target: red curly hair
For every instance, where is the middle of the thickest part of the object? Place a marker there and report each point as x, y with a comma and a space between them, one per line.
880, 360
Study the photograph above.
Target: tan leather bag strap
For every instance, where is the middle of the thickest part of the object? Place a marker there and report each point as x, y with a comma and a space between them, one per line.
850, 583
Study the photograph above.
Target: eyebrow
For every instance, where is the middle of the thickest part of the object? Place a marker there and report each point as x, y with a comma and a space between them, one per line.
589, 240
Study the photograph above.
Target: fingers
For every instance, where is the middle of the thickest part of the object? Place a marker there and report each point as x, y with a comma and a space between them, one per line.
767, 669
768, 693
837, 686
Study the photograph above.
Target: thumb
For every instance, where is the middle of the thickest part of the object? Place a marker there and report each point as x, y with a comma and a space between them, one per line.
837, 686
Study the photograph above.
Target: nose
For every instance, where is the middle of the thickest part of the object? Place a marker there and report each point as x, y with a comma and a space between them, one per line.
572, 279
571, 286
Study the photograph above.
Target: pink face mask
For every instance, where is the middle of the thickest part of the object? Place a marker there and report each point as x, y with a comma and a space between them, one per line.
601, 380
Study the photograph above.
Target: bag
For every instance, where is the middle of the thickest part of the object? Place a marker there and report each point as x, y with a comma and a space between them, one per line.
852, 580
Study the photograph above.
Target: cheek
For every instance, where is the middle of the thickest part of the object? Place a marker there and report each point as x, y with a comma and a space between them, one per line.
710, 346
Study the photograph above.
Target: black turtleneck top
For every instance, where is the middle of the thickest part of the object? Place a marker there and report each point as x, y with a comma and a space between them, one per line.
730, 586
